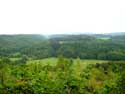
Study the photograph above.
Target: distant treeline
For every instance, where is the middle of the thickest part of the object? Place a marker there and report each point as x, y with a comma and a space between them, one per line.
105, 47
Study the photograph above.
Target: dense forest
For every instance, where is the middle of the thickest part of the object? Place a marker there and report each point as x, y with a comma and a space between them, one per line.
104, 47
62, 64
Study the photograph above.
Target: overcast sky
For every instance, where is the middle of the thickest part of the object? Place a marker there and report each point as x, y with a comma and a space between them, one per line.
61, 16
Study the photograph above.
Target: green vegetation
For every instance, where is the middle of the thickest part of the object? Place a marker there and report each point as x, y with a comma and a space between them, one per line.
62, 76
71, 46
63, 64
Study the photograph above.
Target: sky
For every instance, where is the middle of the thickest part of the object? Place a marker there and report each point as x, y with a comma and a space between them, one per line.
61, 16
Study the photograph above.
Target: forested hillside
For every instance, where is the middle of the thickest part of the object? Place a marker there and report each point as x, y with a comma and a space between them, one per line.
106, 47
62, 64
11, 44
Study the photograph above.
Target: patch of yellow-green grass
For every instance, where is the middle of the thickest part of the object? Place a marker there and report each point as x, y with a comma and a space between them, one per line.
46, 61
53, 61
14, 59
85, 62
103, 38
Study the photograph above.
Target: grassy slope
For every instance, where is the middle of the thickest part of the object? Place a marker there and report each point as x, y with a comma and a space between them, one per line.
53, 61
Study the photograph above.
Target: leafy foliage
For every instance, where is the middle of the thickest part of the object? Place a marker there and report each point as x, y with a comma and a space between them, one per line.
70, 46
66, 77
24, 71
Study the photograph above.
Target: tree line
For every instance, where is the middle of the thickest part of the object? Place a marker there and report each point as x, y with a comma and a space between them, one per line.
82, 46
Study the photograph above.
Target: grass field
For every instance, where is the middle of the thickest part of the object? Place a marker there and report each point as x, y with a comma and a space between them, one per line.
103, 38
53, 61
46, 61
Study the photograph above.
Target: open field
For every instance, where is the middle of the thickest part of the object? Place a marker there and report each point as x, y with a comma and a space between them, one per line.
52, 61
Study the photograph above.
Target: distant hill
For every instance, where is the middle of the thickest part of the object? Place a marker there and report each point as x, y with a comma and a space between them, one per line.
115, 34
13, 43
85, 46
19, 40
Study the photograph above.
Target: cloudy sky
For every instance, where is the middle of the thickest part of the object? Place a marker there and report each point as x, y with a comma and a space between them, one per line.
61, 16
